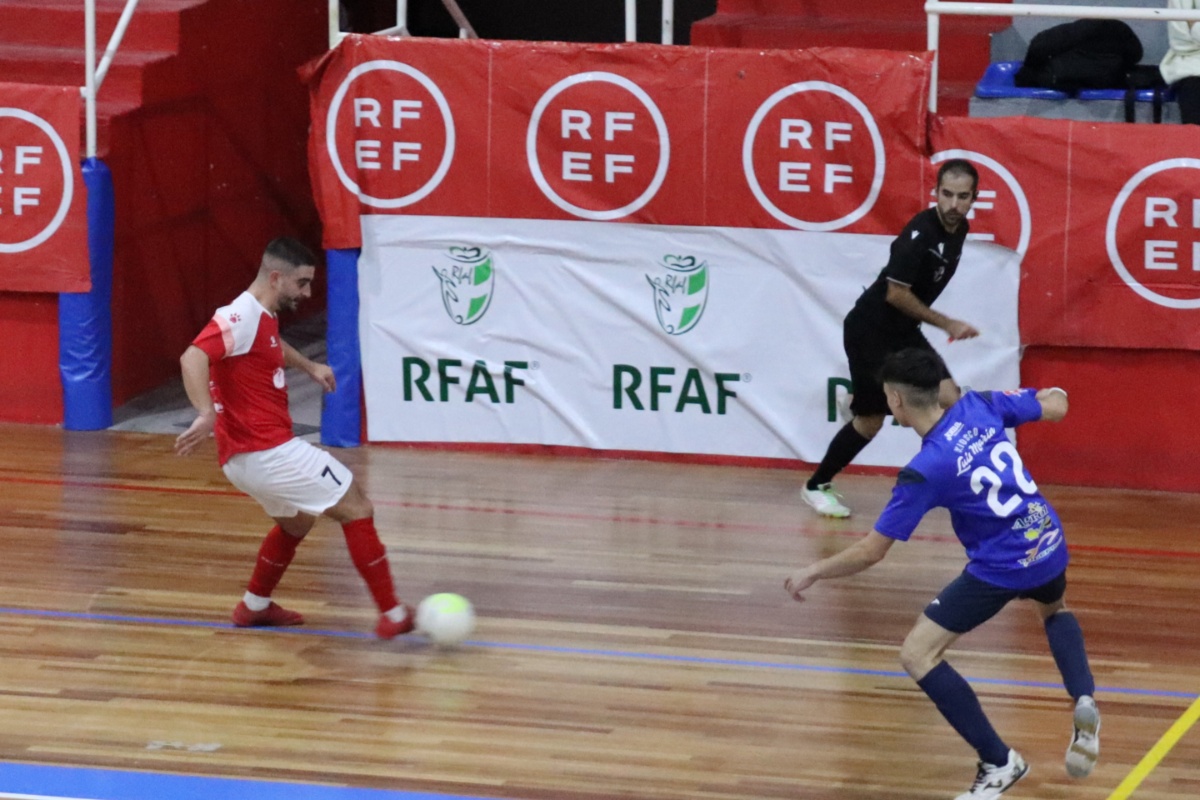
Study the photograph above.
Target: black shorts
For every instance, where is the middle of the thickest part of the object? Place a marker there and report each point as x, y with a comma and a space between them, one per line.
968, 602
866, 348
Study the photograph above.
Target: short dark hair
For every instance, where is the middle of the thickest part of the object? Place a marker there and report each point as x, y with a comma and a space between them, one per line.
958, 166
290, 251
917, 369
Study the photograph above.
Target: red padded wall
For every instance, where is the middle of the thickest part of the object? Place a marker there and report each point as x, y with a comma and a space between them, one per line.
31, 390
1131, 421
207, 174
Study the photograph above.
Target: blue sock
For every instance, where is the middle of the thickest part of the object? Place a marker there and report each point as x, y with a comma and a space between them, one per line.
1066, 643
956, 700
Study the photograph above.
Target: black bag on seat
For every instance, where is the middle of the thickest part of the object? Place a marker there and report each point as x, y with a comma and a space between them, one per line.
1084, 54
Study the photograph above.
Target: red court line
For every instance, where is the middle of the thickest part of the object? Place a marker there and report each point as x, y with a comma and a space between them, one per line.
633, 520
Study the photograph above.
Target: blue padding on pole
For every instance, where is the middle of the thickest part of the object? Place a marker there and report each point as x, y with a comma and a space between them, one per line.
85, 319
341, 416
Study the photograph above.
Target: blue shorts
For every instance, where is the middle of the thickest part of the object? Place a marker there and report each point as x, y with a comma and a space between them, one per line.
968, 602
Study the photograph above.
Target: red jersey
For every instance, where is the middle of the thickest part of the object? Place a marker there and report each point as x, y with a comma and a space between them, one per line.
246, 378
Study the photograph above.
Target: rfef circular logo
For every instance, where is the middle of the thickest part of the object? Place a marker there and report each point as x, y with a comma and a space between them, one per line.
391, 141
36, 180
598, 146
1153, 233
813, 156
1001, 210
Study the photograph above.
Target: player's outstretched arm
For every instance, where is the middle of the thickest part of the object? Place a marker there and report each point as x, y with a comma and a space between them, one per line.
864, 553
195, 368
1054, 403
902, 298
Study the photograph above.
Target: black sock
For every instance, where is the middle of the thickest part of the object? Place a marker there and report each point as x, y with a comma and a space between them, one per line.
1066, 643
846, 444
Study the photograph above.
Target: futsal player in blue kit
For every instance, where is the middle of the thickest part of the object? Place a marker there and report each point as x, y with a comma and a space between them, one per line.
1015, 550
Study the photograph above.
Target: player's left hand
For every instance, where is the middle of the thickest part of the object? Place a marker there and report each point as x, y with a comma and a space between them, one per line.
797, 583
957, 329
323, 374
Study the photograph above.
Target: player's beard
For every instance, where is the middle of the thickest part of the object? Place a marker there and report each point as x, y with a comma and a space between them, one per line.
288, 303
950, 219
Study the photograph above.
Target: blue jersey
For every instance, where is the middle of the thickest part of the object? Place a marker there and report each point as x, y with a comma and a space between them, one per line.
968, 465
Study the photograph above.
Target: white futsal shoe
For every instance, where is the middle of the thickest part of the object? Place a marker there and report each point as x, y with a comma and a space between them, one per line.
991, 781
825, 501
1085, 743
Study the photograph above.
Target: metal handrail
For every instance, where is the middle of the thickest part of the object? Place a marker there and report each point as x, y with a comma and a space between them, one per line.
935, 8
668, 21
94, 75
465, 30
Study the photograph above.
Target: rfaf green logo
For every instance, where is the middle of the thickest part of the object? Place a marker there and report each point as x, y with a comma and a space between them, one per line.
467, 283
680, 293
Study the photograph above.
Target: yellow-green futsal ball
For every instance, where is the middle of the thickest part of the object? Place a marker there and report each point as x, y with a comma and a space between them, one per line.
446, 618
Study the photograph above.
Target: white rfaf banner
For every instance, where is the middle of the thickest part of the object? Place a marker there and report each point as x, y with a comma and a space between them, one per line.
722, 341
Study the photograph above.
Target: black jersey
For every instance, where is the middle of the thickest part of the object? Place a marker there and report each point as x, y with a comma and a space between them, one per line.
924, 258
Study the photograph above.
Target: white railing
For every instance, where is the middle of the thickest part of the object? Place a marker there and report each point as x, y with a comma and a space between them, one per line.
465, 30
935, 8
94, 74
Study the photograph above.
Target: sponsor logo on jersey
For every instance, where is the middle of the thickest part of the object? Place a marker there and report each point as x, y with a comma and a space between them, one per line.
971, 445
1037, 518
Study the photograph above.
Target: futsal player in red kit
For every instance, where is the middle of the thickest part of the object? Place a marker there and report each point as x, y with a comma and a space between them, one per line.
233, 373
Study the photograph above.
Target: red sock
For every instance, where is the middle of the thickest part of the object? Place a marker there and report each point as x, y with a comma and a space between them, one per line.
273, 558
370, 558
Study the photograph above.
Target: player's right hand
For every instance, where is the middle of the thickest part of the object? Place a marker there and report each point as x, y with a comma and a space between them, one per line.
200, 429
797, 583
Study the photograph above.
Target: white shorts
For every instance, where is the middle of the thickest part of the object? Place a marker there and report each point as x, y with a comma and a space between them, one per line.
290, 478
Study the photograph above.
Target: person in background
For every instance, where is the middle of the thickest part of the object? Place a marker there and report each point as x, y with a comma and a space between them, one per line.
234, 376
887, 318
1180, 66
1015, 550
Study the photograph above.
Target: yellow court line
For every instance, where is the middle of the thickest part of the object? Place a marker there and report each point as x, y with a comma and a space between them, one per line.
1157, 753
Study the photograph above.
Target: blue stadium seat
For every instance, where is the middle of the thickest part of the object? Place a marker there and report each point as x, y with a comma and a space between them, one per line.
1143, 95
997, 83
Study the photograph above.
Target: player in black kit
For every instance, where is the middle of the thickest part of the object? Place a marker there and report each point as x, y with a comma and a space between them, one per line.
887, 318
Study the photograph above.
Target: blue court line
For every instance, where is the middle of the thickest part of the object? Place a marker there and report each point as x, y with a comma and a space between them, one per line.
85, 783
580, 651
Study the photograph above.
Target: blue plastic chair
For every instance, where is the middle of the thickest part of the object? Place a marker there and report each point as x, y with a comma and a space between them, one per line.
997, 83
1142, 95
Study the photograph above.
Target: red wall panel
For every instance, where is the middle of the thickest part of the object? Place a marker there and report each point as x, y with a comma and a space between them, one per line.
1131, 422
30, 391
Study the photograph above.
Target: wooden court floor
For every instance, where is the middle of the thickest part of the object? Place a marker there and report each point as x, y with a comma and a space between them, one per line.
634, 638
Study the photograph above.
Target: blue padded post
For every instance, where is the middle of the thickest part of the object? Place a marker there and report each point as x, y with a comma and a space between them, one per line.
341, 416
85, 318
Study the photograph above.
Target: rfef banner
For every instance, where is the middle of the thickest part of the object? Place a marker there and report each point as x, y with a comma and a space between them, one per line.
1108, 218
43, 208
816, 140
674, 339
